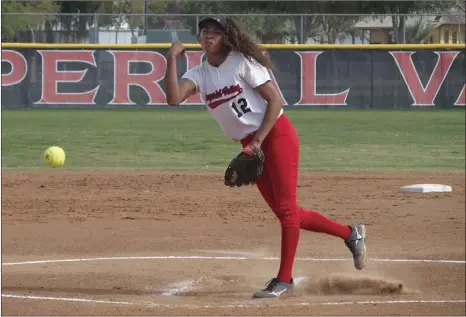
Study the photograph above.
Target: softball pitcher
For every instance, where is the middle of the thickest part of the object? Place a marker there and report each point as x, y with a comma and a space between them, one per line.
235, 85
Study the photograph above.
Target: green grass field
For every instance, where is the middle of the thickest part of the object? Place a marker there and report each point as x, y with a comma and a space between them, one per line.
332, 140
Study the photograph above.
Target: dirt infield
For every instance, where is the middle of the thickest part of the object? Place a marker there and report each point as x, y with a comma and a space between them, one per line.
202, 248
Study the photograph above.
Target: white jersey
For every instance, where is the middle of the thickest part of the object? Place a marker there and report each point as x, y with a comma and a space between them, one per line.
229, 95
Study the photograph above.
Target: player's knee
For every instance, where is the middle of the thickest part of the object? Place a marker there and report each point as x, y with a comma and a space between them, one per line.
287, 214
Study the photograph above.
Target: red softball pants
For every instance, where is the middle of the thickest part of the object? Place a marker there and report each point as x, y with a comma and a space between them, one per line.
278, 186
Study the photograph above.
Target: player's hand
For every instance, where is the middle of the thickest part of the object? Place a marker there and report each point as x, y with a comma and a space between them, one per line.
176, 49
254, 143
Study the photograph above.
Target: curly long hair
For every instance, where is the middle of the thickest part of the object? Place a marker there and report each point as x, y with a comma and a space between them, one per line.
237, 39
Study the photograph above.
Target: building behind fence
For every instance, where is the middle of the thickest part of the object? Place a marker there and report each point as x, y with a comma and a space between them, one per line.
267, 29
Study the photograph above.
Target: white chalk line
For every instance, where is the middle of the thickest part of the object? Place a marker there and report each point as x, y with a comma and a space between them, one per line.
196, 257
151, 304
231, 252
179, 287
67, 299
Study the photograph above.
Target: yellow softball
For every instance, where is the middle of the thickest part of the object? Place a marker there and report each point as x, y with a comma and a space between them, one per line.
54, 156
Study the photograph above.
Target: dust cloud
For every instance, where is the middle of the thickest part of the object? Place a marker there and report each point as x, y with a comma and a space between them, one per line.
345, 284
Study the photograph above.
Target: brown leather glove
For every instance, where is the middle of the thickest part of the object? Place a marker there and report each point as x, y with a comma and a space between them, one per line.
245, 168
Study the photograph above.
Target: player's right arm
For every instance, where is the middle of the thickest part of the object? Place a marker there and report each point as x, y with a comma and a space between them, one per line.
177, 93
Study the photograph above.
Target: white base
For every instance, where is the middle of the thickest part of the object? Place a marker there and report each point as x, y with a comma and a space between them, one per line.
426, 188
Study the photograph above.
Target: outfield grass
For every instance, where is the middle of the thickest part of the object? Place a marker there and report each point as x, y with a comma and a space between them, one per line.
349, 140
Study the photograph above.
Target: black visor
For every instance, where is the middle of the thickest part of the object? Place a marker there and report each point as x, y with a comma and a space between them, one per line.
219, 21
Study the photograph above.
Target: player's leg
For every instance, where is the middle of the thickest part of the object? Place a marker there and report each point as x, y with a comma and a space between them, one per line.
282, 201
285, 211
281, 150
353, 235
264, 185
311, 220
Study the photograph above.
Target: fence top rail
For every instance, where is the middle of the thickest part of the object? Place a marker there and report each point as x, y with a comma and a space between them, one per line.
265, 46
234, 14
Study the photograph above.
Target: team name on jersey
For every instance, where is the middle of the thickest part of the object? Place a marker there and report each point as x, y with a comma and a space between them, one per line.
230, 92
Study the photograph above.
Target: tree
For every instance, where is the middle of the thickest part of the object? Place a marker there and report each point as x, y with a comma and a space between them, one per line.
18, 25
418, 32
203, 8
79, 15
130, 13
400, 9
264, 26
461, 6
155, 12
324, 21
319, 23
119, 14
270, 29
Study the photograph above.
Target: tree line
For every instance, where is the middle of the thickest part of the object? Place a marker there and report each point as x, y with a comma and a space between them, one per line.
75, 17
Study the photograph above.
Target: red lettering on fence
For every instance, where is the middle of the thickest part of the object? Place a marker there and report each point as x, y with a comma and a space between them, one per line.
461, 101
309, 95
18, 65
51, 76
71, 69
123, 79
424, 96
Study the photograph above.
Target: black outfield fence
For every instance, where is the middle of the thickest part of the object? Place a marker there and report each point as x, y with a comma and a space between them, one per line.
340, 76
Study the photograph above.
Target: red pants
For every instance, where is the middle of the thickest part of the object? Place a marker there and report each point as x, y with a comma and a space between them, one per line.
278, 186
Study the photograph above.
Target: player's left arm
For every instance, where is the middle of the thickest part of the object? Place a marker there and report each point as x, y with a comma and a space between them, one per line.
274, 105
259, 78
